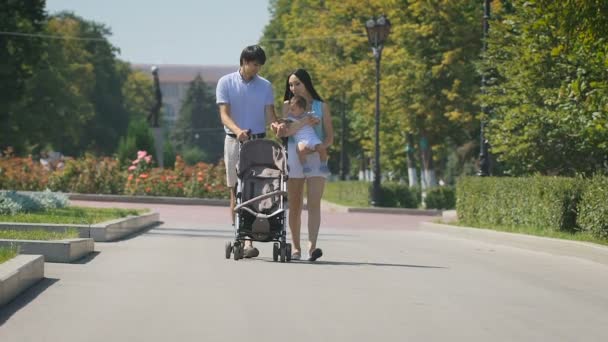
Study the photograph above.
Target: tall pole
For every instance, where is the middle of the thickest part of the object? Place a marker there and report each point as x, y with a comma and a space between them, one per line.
376, 184
343, 139
484, 158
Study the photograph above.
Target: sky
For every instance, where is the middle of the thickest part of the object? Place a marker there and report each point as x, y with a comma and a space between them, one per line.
205, 32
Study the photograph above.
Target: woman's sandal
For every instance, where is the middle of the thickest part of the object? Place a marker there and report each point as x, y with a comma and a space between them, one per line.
315, 254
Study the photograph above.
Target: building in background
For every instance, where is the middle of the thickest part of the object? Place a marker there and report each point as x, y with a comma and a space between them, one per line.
175, 80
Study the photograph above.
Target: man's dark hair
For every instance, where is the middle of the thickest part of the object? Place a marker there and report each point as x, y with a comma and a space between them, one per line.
253, 53
299, 101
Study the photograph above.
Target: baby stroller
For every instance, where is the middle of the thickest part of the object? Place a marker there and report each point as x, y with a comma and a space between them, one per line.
260, 195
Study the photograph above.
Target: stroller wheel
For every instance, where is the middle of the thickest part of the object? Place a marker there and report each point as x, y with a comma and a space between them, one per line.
283, 252
238, 251
288, 252
275, 251
228, 249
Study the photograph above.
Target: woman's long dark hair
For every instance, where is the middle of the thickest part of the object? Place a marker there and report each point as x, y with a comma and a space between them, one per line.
304, 77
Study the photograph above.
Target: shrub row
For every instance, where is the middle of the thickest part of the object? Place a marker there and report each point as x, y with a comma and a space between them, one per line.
13, 202
400, 195
108, 176
552, 203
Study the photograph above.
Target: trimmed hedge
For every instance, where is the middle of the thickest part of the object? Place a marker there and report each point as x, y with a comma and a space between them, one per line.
548, 202
397, 195
593, 207
441, 197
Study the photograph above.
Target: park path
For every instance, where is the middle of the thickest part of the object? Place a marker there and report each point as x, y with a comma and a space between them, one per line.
383, 277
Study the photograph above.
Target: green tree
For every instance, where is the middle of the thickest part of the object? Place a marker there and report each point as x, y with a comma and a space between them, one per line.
19, 56
428, 76
198, 124
138, 93
55, 105
549, 90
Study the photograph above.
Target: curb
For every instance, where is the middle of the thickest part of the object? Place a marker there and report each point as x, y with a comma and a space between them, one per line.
100, 232
63, 251
326, 206
397, 211
18, 274
119, 228
569, 248
149, 199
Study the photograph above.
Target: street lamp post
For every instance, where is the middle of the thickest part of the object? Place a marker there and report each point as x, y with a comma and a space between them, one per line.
484, 157
377, 33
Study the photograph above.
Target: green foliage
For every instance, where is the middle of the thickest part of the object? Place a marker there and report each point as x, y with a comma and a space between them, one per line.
19, 58
40, 235
72, 215
22, 174
428, 80
198, 124
347, 193
89, 175
397, 195
7, 253
548, 87
169, 155
138, 138
546, 202
593, 207
13, 202
442, 197
193, 155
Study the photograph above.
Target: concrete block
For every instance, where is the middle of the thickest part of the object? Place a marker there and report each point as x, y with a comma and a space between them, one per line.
119, 228
18, 274
56, 250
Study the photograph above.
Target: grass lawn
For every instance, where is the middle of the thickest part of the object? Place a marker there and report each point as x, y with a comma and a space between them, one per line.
576, 236
7, 253
71, 233
73, 215
347, 193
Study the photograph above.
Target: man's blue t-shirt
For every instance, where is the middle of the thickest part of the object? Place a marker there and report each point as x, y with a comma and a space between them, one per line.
247, 100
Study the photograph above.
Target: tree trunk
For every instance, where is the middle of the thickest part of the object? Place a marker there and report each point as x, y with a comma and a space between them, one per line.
411, 162
428, 169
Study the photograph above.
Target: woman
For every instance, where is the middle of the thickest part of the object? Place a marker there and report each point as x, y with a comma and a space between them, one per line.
300, 83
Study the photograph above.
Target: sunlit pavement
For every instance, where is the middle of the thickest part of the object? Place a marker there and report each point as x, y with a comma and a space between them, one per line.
382, 277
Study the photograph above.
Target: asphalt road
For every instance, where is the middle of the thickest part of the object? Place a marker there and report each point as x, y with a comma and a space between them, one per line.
382, 277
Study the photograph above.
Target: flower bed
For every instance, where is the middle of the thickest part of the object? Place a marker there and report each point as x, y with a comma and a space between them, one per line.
94, 175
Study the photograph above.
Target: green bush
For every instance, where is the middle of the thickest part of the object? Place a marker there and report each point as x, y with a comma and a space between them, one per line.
13, 202
593, 207
139, 138
397, 195
547, 202
89, 176
193, 155
442, 197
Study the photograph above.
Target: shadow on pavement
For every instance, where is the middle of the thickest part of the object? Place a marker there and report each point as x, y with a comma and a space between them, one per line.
227, 230
87, 258
24, 299
351, 263
139, 232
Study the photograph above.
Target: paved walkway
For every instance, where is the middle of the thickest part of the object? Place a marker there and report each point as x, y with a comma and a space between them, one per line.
383, 277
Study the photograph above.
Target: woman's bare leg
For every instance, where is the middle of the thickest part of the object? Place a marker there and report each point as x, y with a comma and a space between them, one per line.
295, 196
314, 187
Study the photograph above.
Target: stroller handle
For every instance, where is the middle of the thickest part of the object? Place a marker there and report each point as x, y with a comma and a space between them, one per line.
261, 197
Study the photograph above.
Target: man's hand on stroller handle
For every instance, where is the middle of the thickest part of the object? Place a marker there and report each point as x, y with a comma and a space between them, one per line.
243, 134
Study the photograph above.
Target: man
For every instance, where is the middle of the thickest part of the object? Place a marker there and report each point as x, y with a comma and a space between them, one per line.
246, 104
